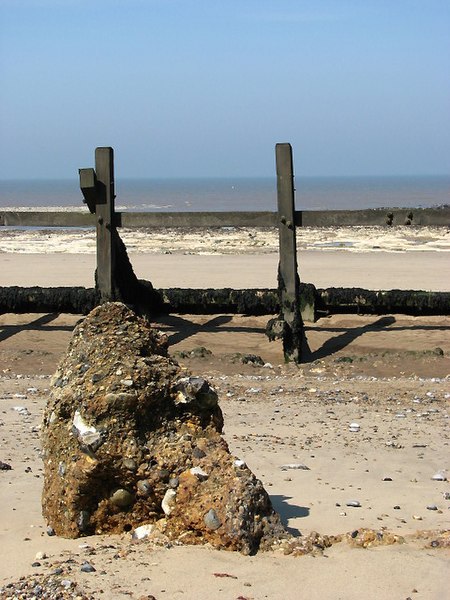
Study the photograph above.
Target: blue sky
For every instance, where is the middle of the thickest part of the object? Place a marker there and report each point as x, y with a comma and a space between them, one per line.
207, 87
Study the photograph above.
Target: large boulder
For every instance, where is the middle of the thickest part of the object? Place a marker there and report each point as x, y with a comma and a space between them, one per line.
130, 438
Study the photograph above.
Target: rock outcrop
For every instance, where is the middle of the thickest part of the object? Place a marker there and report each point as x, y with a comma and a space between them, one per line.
133, 442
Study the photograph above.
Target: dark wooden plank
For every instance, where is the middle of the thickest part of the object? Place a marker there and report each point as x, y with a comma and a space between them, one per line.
88, 186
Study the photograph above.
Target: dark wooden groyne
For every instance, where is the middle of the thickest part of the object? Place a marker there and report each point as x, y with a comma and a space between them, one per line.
80, 300
292, 301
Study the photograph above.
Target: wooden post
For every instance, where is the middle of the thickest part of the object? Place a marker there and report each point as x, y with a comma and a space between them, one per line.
288, 280
104, 212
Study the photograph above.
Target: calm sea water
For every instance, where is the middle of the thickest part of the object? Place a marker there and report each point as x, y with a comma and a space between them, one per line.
312, 193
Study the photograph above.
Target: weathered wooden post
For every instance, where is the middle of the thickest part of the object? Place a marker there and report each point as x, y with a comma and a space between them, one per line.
98, 191
105, 214
288, 280
114, 278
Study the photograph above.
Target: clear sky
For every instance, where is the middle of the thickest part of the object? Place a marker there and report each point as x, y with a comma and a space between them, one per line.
207, 87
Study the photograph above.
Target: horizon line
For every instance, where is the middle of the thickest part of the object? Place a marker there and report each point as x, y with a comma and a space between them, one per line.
180, 177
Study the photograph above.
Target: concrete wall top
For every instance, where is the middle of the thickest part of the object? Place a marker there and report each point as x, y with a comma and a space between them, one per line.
319, 218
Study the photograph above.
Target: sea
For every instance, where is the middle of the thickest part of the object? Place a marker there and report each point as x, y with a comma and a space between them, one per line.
237, 194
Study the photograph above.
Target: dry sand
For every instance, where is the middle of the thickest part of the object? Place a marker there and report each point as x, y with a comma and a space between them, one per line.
383, 373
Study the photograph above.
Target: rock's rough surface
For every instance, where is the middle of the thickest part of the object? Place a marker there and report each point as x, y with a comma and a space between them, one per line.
131, 439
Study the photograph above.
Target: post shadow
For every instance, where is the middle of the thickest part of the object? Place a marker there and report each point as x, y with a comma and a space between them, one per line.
289, 511
335, 344
185, 329
7, 331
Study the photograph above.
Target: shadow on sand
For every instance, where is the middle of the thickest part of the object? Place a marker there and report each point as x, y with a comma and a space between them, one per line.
288, 511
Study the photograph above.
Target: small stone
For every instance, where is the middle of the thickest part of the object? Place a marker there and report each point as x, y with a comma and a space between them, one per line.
122, 498
40, 556
387, 478
354, 427
66, 583
239, 464
211, 520
417, 517
164, 475
87, 568
127, 382
198, 453
36, 564
432, 507
144, 488
353, 503
396, 507
253, 359
50, 531
83, 520
195, 389
130, 464
439, 476
5, 466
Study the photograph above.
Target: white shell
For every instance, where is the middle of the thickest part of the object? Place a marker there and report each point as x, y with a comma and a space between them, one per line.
168, 502
299, 466
22, 410
86, 433
199, 473
143, 531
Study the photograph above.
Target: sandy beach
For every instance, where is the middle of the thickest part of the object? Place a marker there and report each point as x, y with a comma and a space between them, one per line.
390, 375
